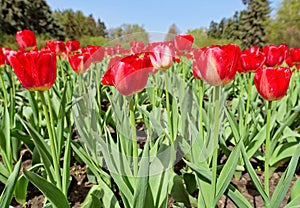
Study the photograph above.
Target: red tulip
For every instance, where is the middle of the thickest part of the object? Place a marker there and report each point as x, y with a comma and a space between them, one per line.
80, 63
272, 84
57, 46
129, 74
275, 55
72, 45
295, 54
2, 58
293, 59
8, 52
35, 70
136, 47
217, 65
183, 42
97, 53
109, 51
161, 55
196, 71
26, 39
251, 59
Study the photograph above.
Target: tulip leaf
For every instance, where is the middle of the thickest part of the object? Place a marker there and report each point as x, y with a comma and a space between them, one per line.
7, 193
227, 172
140, 198
22, 184
42, 148
295, 190
285, 181
55, 196
254, 176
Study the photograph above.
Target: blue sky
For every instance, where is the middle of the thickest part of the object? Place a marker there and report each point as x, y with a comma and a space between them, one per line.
156, 15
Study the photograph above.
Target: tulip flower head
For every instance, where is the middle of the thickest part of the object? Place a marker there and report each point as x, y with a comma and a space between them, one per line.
251, 59
275, 55
183, 42
128, 74
36, 70
161, 56
136, 47
2, 58
97, 53
271, 83
58, 47
217, 65
293, 59
72, 46
80, 63
26, 39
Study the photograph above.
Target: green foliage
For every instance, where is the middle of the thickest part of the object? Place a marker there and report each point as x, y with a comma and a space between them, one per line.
77, 25
129, 32
286, 25
29, 14
228, 28
87, 40
253, 22
201, 39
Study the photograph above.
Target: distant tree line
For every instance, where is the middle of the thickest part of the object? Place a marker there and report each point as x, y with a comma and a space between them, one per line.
254, 26
36, 15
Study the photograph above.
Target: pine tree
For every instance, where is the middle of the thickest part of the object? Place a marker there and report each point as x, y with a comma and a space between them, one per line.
253, 23
35, 15
213, 30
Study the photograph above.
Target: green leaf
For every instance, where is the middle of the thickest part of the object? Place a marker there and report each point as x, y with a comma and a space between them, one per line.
142, 181
237, 197
227, 172
285, 180
93, 198
295, 190
42, 147
55, 196
177, 189
21, 190
7, 193
22, 184
283, 151
294, 203
254, 177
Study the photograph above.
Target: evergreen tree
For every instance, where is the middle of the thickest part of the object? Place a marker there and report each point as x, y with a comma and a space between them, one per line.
253, 23
173, 30
213, 30
35, 15
101, 29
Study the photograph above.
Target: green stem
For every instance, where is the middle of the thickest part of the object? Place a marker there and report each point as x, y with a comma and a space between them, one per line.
168, 109
183, 70
215, 138
201, 131
12, 99
98, 88
52, 120
55, 157
3, 89
267, 147
248, 100
66, 165
61, 68
134, 137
